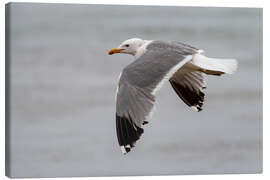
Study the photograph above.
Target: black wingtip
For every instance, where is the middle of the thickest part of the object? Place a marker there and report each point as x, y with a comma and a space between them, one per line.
192, 98
145, 122
127, 133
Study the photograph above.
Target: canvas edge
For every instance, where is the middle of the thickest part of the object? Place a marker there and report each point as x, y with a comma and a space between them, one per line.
7, 90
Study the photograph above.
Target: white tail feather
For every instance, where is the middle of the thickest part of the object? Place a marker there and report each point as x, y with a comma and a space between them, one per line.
228, 66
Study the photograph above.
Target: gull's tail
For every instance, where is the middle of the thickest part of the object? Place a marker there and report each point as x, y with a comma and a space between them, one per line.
215, 66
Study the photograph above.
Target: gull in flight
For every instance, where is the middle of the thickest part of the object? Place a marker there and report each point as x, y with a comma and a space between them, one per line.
156, 62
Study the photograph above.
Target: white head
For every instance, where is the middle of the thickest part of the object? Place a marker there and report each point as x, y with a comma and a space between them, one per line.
129, 46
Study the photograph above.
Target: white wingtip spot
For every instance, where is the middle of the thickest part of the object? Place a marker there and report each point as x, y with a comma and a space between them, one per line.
123, 150
194, 108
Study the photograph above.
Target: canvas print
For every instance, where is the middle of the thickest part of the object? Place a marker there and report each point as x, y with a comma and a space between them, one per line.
119, 90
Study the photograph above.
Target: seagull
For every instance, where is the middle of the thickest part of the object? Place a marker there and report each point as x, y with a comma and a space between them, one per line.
156, 62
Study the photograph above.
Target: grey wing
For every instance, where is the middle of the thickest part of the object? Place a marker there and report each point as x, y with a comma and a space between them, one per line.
137, 84
189, 87
132, 107
186, 47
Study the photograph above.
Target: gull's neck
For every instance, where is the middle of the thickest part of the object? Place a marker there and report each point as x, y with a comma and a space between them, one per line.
142, 49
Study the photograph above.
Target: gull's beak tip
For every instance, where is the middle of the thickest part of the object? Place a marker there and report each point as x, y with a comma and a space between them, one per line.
113, 51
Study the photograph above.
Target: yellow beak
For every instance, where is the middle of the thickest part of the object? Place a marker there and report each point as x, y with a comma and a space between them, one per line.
114, 50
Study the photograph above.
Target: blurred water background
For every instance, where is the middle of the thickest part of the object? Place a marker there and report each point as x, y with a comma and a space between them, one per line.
63, 87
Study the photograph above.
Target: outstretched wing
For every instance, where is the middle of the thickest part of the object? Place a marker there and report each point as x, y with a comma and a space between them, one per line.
137, 85
189, 87
133, 106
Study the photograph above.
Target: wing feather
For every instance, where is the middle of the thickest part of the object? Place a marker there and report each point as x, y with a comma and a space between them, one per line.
189, 87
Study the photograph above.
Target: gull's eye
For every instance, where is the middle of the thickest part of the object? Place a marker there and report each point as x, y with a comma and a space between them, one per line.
127, 45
